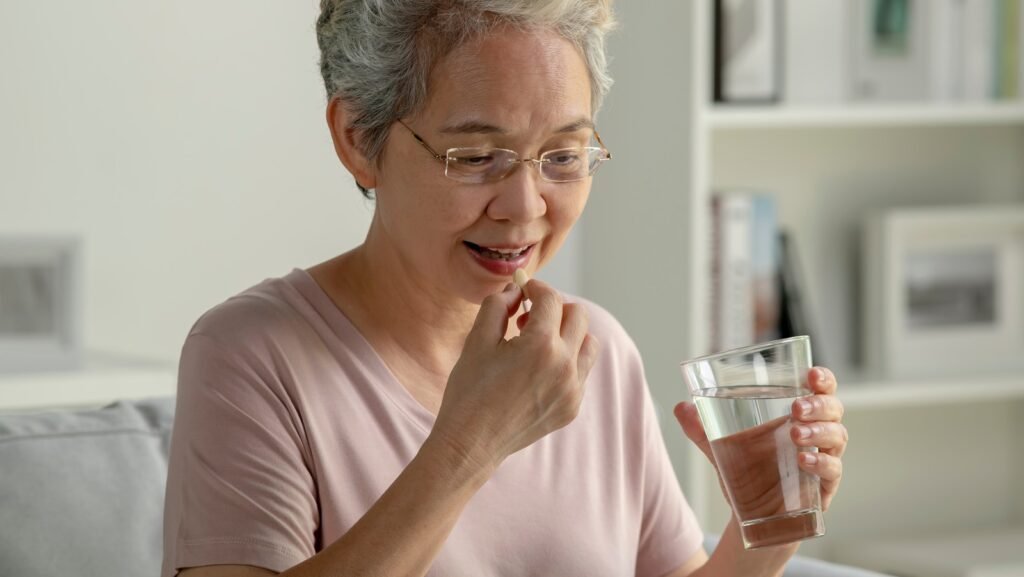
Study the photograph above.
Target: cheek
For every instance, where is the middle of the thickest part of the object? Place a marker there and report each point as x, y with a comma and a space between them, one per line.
563, 215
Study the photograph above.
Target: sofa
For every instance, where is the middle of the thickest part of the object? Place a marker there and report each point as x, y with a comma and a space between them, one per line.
81, 493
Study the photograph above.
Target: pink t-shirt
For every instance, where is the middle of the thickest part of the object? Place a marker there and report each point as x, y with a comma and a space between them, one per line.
289, 427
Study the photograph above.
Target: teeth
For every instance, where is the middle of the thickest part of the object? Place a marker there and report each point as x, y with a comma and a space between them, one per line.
506, 251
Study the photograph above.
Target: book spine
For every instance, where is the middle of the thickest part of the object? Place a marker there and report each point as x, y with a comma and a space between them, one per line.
979, 53
945, 64
764, 264
735, 299
1009, 65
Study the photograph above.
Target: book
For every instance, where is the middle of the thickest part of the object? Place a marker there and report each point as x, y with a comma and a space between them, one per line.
744, 280
1008, 49
979, 18
795, 318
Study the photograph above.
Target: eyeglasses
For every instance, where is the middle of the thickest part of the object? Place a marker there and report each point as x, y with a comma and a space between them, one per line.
483, 165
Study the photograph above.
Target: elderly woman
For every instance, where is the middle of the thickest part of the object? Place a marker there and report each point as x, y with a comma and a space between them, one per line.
393, 411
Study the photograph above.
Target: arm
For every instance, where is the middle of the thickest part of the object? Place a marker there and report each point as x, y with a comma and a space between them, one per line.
404, 530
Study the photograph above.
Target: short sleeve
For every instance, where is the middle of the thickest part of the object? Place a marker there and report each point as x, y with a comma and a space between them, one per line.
669, 532
239, 488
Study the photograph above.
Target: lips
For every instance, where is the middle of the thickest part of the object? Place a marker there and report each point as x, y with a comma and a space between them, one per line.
499, 260
498, 253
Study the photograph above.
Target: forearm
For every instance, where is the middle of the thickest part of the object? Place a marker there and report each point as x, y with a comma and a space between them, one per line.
402, 533
730, 559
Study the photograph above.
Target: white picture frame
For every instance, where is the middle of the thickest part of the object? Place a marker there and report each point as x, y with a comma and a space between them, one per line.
40, 303
891, 55
943, 291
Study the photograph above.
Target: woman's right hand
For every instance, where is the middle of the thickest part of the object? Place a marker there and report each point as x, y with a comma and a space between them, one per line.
503, 395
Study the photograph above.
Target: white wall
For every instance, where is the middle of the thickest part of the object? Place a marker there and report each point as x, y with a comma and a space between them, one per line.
185, 142
636, 239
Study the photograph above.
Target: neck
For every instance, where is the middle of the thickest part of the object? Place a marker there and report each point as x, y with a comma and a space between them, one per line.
407, 319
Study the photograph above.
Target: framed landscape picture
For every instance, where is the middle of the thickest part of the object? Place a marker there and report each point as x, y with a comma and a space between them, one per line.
943, 291
40, 311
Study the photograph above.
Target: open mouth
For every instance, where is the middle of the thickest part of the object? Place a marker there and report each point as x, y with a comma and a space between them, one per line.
503, 254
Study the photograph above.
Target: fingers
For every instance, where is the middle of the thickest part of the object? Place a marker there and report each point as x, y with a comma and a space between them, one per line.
829, 437
492, 319
818, 408
686, 414
822, 381
587, 357
829, 470
546, 311
575, 322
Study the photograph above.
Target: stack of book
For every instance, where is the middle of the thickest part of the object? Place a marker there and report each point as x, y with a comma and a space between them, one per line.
756, 288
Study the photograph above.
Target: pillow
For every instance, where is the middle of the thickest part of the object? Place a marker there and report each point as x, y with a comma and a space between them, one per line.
82, 492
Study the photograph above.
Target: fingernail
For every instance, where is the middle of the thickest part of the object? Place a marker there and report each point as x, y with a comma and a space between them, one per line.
803, 432
810, 458
509, 287
805, 407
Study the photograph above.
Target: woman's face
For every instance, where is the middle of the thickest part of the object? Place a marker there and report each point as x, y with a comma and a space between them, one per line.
526, 92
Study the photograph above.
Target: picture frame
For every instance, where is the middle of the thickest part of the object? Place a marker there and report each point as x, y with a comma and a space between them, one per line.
748, 52
890, 50
943, 291
40, 303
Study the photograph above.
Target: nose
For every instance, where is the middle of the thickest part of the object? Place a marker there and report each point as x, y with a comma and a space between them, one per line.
519, 197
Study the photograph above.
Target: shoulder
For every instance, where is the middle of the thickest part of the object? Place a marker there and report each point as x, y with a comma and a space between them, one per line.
253, 317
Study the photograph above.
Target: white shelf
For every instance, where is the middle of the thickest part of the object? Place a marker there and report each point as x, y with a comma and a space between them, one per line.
930, 392
727, 117
100, 380
984, 553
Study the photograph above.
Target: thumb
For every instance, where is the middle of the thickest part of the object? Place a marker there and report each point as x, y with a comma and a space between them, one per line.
492, 319
686, 414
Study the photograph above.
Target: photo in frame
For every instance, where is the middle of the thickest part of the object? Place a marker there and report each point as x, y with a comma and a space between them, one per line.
40, 305
748, 51
890, 50
943, 290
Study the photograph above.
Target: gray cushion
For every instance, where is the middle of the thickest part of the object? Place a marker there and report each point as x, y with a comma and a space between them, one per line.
806, 567
81, 492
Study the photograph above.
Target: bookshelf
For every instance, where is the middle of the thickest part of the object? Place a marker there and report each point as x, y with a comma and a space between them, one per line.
726, 117
933, 465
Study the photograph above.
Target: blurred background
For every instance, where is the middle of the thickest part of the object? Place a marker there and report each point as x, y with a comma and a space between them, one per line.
848, 169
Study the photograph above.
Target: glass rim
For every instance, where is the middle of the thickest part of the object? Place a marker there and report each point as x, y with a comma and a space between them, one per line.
745, 350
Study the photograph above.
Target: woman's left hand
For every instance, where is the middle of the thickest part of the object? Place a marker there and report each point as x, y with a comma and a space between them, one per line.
818, 419
819, 414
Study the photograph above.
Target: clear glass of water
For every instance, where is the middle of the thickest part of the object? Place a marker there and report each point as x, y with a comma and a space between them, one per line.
744, 398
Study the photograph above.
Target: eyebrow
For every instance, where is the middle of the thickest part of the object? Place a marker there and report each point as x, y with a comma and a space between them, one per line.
478, 127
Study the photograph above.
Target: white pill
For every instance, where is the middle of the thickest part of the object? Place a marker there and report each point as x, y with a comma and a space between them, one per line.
520, 278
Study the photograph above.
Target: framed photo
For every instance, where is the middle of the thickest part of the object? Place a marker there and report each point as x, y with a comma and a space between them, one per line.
943, 290
40, 312
890, 50
747, 51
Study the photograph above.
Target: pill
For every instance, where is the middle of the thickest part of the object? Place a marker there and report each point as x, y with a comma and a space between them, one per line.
520, 278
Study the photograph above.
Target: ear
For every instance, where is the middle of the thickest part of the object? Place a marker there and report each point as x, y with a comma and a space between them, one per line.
339, 119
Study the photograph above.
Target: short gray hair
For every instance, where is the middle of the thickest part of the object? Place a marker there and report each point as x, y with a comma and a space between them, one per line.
376, 55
